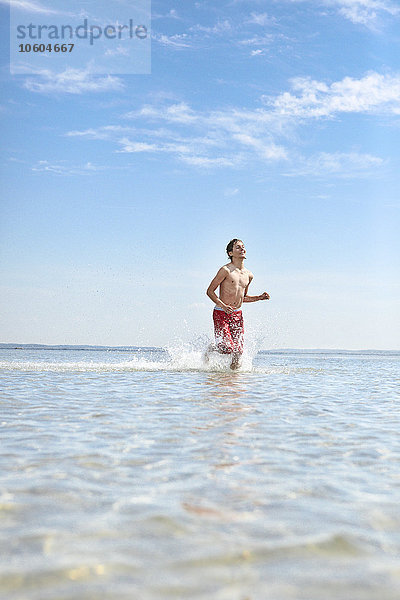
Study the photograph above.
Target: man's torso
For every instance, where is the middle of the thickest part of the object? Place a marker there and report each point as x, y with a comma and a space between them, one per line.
234, 285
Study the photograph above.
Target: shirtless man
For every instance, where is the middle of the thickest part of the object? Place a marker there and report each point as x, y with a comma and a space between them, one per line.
233, 280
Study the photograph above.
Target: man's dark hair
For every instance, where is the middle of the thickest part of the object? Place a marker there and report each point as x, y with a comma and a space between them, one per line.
229, 247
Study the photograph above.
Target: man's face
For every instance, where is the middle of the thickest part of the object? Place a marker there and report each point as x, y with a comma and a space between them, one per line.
238, 250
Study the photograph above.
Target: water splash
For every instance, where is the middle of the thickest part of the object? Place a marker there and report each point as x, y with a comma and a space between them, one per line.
191, 356
178, 356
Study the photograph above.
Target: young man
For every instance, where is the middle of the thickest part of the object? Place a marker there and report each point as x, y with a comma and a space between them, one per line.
233, 280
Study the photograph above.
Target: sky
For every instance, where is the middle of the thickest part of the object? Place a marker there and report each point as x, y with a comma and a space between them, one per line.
276, 122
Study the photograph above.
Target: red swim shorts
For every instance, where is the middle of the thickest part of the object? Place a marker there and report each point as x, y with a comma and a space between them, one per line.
228, 331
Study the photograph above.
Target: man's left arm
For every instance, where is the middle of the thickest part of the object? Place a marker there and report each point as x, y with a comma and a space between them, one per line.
263, 296
247, 298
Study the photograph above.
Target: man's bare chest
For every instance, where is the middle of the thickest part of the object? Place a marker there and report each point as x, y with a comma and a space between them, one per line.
238, 280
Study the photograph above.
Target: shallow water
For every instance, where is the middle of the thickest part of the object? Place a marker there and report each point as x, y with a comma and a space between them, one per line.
151, 475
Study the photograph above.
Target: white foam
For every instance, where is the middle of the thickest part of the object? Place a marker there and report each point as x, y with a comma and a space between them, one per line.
192, 361
177, 357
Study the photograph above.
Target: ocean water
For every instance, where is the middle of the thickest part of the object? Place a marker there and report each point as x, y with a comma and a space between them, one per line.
145, 474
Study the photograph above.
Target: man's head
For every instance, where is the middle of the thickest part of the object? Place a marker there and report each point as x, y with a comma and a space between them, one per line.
236, 248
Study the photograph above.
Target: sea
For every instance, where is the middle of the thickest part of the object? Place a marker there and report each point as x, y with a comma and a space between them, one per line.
145, 473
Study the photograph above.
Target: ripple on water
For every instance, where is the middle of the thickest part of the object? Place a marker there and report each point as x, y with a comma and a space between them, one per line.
128, 479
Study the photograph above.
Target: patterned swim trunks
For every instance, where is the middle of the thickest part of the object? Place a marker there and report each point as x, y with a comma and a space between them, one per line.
229, 331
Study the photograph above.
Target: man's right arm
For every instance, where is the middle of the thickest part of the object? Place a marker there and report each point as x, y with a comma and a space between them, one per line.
218, 279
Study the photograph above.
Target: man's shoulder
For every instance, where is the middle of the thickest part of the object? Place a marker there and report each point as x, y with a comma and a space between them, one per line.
223, 272
227, 268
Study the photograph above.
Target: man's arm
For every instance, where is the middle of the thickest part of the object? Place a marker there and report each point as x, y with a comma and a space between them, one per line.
246, 298
216, 282
263, 296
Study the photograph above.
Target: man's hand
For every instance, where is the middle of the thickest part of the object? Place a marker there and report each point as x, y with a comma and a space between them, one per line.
228, 309
264, 296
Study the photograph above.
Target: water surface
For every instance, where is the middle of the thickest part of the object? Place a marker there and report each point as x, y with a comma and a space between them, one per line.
147, 474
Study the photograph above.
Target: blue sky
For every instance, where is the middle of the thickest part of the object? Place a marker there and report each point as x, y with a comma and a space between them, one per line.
276, 122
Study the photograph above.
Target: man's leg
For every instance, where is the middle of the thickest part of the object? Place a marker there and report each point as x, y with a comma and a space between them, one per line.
223, 337
237, 333
235, 362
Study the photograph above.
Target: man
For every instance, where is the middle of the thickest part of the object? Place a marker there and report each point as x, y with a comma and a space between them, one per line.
233, 280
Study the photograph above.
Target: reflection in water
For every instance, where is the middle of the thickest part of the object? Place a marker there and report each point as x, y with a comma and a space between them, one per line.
225, 385
226, 434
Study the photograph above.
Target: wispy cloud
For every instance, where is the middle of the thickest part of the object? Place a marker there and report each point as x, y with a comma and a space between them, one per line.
257, 52
341, 164
315, 99
259, 40
195, 35
171, 14
219, 28
131, 146
101, 133
205, 162
72, 81
259, 29
365, 12
61, 168
30, 6
190, 151
261, 19
199, 138
369, 13
174, 41
235, 31
263, 136
269, 151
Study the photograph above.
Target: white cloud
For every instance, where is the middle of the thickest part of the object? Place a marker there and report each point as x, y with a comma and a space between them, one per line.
193, 152
269, 151
61, 168
174, 41
178, 113
30, 6
204, 161
258, 40
246, 32
232, 137
342, 164
172, 14
72, 81
220, 28
102, 133
232, 132
261, 19
203, 139
129, 146
195, 35
237, 32
369, 13
364, 12
313, 99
